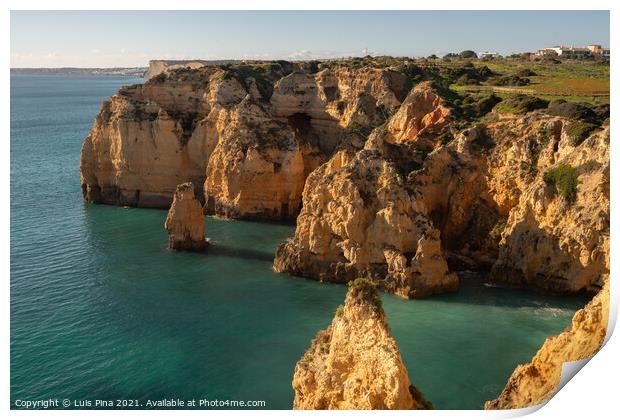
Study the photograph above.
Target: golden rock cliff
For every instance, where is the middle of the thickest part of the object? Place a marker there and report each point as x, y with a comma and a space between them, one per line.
383, 180
359, 219
361, 215
557, 235
397, 210
537, 381
146, 140
249, 136
185, 222
355, 363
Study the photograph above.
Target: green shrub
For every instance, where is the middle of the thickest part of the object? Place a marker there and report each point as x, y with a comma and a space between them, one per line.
602, 113
525, 73
466, 80
359, 129
579, 131
227, 75
545, 134
482, 106
572, 110
468, 54
520, 104
446, 138
480, 139
160, 78
589, 166
510, 81
595, 114
365, 290
496, 232
565, 179
466, 74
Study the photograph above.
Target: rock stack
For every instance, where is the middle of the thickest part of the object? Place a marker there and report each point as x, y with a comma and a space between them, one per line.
185, 223
355, 364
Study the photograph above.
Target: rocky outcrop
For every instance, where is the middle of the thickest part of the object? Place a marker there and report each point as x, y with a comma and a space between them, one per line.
343, 95
147, 139
384, 180
157, 67
246, 133
361, 217
479, 200
355, 363
537, 381
185, 222
258, 168
556, 240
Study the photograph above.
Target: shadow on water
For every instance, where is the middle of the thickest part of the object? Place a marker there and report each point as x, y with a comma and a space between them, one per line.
221, 250
473, 290
109, 225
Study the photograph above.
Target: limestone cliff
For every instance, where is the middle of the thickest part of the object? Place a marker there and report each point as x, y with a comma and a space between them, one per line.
361, 216
383, 179
557, 235
185, 222
156, 67
397, 210
355, 363
146, 140
359, 219
249, 135
537, 381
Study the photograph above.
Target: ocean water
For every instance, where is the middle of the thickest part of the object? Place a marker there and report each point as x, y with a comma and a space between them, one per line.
100, 309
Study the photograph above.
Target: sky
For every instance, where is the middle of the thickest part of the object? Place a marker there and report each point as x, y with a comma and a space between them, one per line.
131, 38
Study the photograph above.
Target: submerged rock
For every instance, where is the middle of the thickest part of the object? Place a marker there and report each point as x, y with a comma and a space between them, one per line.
355, 363
185, 223
537, 381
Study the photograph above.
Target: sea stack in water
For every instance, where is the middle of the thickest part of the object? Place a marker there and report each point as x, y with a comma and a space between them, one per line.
355, 363
185, 223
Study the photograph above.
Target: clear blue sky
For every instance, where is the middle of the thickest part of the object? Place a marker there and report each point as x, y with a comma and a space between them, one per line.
118, 38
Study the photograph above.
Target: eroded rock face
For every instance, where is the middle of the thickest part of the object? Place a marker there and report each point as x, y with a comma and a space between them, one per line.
185, 222
355, 363
146, 140
478, 201
361, 217
537, 381
258, 168
392, 192
420, 116
250, 141
557, 245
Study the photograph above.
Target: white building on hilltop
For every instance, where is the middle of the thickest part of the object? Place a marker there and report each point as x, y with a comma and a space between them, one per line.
574, 52
488, 54
598, 50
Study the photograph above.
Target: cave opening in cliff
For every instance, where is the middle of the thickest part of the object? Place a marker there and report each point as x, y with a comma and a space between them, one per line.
301, 124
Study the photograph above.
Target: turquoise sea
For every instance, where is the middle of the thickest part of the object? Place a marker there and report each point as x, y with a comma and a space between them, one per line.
100, 309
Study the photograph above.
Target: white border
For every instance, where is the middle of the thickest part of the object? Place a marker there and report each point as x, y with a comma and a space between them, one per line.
592, 394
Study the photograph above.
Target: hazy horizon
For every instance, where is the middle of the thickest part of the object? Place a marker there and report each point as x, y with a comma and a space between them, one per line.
106, 39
